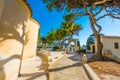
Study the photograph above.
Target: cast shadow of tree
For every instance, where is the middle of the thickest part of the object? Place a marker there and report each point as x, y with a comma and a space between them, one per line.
5, 61
42, 71
12, 31
12, 28
65, 67
12, 25
75, 58
32, 76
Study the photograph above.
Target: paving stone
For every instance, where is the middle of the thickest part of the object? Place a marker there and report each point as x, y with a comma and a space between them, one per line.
67, 68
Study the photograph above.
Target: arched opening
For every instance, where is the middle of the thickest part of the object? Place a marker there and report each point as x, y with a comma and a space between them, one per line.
65, 45
72, 47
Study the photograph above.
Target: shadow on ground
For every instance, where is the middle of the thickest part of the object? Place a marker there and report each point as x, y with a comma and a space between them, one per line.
65, 67
79, 57
38, 72
75, 58
33, 76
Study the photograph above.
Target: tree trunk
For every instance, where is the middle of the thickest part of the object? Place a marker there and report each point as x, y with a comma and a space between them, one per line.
99, 46
61, 44
45, 45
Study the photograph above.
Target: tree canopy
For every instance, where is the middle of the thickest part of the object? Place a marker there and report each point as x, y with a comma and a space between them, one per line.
39, 36
67, 29
90, 8
83, 6
51, 36
91, 40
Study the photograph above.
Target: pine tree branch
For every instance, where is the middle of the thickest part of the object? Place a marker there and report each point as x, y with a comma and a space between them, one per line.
105, 15
101, 2
99, 11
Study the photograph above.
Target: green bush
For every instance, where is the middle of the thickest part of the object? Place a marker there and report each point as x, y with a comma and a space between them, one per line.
55, 48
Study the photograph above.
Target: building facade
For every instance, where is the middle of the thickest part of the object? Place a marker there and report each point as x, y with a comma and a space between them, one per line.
111, 43
18, 35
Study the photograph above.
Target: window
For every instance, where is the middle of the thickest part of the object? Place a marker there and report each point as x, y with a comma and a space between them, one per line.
116, 45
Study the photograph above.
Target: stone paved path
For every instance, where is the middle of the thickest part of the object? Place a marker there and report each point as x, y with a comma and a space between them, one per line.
67, 68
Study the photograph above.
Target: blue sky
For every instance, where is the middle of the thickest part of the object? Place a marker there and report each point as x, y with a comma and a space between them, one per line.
53, 20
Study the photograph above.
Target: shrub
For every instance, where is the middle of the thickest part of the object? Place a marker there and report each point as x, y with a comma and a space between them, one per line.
55, 48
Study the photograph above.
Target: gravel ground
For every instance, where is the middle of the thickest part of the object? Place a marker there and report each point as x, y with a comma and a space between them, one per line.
106, 70
67, 68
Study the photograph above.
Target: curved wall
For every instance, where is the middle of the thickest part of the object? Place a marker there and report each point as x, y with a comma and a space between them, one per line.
18, 32
1, 7
13, 20
31, 36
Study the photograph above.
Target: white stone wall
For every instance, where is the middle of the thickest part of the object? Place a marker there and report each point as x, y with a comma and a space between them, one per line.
17, 32
31, 36
108, 44
13, 19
